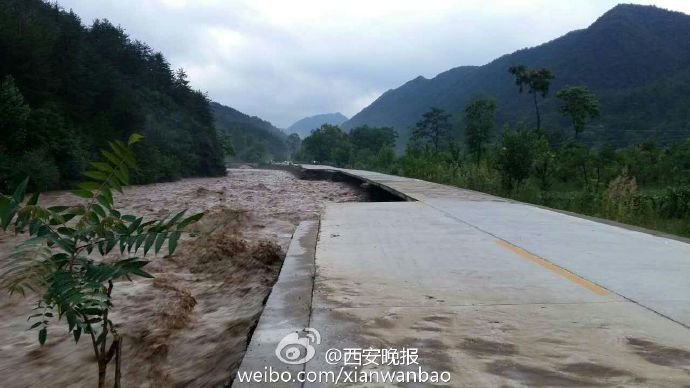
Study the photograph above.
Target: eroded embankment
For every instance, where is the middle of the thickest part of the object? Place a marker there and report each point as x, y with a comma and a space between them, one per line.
189, 325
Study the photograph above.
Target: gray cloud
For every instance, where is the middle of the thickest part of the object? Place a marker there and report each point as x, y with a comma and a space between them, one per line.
283, 60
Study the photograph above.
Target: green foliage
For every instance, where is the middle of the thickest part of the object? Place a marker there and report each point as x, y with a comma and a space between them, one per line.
634, 58
515, 155
385, 158
479, 120
363, 147
537, 82
58, 260
578, 104
423, 165
576, 164
372, 139
527, 166
675, 202
677, 161
327, 145
544, 163
66, 88
433, 128
618, 184
14, 113
646, 163
226, 144
40, 166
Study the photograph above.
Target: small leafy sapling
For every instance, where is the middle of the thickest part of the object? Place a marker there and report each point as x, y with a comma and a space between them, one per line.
58, 259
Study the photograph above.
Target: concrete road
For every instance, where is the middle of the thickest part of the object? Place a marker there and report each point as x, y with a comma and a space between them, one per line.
498, 293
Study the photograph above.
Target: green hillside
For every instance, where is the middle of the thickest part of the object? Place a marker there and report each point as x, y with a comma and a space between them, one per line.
253, 139
67, 89
636, 59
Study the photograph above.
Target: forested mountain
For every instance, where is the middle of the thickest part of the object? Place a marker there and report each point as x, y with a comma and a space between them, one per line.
636, 59
304, 126
68, 89
253, 139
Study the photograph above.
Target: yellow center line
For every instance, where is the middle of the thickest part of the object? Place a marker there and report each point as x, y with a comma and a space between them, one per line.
553, 268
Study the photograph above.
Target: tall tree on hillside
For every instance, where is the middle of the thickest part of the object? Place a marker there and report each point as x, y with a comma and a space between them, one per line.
479, 121
579, 105
433, 128
537, 81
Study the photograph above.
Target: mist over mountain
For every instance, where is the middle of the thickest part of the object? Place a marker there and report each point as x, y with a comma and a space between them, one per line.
304, 126
253, 138
636, 59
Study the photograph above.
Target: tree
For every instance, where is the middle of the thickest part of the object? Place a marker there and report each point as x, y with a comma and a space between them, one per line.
432, 128
515, 155
181, 78
253, 150
578, 104
644, 162
544, 159
372, 139
479, 121
293, 143
372, 146
576, 159
57, 262
14, 114
385, 158
226, 143
604, 161
85, 85
454, 157
537, 81
678, 163
328, 144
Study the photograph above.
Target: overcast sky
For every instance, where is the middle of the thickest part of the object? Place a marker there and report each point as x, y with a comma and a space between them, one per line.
284, 60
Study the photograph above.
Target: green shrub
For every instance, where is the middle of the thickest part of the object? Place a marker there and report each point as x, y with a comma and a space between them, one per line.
58, 261
675, 202
40, 167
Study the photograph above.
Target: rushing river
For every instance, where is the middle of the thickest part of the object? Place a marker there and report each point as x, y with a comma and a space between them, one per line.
189, 325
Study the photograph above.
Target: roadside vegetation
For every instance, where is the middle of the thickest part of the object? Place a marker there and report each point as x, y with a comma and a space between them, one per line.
644, 184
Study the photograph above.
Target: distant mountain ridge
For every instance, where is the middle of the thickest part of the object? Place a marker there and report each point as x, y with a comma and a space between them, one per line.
253, 138
304, 126
636, 59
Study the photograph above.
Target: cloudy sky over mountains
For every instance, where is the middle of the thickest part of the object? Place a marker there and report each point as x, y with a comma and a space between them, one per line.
283, 60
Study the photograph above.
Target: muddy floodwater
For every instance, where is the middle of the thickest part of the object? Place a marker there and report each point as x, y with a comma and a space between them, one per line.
189, 326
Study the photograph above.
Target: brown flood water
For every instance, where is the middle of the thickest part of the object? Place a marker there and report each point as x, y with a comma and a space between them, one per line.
188, 327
